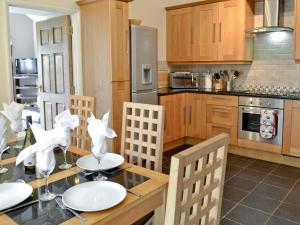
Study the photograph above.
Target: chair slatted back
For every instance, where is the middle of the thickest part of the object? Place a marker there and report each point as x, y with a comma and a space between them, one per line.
82, 106
142, 135
196, 183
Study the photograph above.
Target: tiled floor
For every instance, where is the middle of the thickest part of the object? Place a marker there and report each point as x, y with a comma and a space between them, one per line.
256, 192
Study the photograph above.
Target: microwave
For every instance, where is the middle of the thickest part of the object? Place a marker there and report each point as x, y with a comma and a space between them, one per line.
26, 66
184, 80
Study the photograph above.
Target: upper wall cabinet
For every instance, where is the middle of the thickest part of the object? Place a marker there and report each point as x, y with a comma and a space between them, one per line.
210, 32
297, 31
179, 34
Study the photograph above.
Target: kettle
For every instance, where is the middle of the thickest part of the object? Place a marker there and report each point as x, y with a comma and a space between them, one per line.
208, 80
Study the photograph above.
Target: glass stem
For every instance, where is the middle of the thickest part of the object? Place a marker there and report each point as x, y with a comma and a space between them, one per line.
47, 183
65, 155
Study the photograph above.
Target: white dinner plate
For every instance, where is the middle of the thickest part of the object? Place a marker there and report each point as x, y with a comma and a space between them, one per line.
94, 196
109, 161
11, 194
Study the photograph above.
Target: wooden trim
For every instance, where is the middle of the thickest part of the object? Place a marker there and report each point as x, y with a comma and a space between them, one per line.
260, 146
198, 3
174, 144
210, 62
287, 130
85, 2
266, 156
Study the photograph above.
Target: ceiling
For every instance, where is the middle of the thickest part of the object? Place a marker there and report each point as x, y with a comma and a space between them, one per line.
34, 14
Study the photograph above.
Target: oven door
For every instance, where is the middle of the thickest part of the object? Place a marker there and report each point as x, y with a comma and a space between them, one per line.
249, 125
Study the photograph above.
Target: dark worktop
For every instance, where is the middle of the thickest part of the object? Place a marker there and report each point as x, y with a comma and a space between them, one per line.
170, 91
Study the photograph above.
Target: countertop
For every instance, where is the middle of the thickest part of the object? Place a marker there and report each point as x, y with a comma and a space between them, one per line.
170, 91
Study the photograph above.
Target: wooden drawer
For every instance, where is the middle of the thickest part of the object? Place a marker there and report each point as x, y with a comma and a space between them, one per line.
222, 100
222, 115
214, 129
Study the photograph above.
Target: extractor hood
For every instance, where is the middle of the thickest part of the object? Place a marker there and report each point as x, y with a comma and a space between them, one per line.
273, 18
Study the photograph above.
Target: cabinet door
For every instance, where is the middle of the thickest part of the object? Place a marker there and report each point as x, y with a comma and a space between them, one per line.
215, 129
226, 115
297, 31
196, 116
291, 142
120, 94
205, 21
231, 32
167, 102
179, 119
179, 35
120, 41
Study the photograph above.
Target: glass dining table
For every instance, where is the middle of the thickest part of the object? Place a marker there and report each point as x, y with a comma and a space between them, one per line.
146, 192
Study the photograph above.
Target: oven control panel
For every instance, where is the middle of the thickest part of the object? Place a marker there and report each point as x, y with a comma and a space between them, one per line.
261, 102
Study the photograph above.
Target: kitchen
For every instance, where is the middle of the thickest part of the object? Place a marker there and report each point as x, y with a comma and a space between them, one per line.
216, 76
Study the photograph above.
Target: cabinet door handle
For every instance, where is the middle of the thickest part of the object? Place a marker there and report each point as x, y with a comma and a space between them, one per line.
214, 33
192, 35
220, 32
190, 116
220, 109
184, 115
127, 41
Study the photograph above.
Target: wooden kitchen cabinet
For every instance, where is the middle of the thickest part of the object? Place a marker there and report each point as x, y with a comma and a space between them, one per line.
196, 115
291, 135
105, 61
179, 35
216, 32
205, 22
222, 116
297, 32
174, 116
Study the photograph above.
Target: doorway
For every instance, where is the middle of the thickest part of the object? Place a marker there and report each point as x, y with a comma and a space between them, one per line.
28, 85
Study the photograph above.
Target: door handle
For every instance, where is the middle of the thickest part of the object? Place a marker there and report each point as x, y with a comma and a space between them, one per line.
220, 32
192, 35
190, 116
214, 33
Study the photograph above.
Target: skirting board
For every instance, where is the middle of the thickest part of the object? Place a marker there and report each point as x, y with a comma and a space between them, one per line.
247, 152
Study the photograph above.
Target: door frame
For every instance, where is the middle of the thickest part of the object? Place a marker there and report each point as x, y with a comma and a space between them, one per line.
73, 11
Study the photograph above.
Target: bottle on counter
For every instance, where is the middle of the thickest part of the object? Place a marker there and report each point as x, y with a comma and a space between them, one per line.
29, 163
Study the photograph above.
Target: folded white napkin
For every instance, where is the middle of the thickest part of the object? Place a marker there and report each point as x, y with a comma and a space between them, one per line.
66, 122
2, 133
99, 131
46, 141
13, 112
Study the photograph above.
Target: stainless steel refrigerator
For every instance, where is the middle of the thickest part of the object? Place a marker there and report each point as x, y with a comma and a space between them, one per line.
143, 56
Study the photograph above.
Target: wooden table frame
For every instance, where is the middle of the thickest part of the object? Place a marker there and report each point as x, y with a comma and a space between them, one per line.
153, 198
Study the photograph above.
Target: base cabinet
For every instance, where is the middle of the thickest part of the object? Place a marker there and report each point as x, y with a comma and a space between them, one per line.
291, 138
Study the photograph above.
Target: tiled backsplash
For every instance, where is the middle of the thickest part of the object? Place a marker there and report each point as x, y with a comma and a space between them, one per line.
273, 60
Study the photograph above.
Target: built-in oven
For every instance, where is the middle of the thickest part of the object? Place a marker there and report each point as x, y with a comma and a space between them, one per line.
250, 119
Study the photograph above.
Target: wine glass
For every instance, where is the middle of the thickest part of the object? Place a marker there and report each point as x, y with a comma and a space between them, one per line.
17, 128
3, 143
65, 148
45, 164
99, 152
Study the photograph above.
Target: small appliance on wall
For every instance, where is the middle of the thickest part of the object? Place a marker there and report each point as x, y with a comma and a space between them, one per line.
143, 64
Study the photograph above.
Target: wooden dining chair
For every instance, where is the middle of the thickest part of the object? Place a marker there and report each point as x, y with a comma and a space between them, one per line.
142, 135
196, 183
82, 106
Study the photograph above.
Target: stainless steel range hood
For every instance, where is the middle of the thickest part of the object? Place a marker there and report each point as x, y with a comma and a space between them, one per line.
273, 18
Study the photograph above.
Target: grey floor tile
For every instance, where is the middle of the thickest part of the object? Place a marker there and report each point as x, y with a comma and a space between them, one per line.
261, 202
166, 170
228, 222
247, 216
238, 161
289, 212
293, 198
227, 206
281, 182
252, 175
233, 194
278, 221
243, 184
270, 191
263, 166
287, 172
232, 171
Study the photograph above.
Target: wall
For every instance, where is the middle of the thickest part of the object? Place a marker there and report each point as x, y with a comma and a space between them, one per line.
22, 36
65, 6
153, 14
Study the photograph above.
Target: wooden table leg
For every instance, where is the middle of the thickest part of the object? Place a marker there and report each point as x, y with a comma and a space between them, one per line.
159, 213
